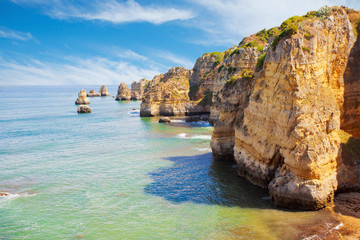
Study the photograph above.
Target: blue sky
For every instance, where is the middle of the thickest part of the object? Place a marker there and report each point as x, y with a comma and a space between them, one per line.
56, 42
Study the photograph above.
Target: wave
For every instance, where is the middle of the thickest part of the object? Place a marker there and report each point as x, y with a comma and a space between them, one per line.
204, 149
178, 121
186, 136
5, 196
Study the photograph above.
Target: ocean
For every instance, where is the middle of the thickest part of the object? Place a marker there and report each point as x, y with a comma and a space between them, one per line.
113, 175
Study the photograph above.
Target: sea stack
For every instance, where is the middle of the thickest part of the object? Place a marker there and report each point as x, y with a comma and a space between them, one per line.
93, 93
84, 109
137, 89
124, 92
82, 99
104, 91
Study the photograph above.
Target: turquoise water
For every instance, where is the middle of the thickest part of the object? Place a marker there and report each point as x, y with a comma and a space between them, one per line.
113, 175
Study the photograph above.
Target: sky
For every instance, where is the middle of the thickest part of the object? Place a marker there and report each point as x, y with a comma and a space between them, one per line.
95, 42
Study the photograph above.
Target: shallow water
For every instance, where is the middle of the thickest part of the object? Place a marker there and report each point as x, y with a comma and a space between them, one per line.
113, 175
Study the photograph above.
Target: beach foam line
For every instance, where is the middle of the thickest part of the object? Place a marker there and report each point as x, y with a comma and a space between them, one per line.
186, 136
204, 149
9, 196
178, 121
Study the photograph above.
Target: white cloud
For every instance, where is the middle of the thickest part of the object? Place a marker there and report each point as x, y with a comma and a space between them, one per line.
109, 10
12, 34
75, 71
230, 20
171, 59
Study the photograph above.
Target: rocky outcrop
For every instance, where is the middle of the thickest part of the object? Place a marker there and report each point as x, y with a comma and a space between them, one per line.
82, 99
123, 93
167, 94
137, 89
282, 125
104, 91
164, 120
93, 93
84, 109
199, 85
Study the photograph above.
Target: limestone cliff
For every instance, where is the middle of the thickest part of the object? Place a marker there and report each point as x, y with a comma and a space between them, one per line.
137, 89
166, 94
282, 125
210, 73
123, 93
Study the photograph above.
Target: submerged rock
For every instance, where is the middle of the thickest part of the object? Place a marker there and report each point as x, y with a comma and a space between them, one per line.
82, 99
84, 109
104, 91
164, 120
93, 93
123, 93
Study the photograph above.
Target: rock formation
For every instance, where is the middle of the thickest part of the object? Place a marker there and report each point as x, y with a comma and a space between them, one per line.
282, 125
84, 109
104, 91
285, 104
4, 194
123, 93
137, 89
82, 99
164, 120
167, 94
93, 93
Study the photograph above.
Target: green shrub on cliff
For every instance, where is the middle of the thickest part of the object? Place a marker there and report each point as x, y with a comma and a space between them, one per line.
247, 74
193, 91
260, 62
231, 70
207, 99
236, 51
263, 35
253, 44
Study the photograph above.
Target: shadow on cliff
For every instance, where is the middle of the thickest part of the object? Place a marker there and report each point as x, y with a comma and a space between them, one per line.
200, 179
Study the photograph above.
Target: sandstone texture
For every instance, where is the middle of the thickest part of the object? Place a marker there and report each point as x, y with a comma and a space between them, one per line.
123, 93
93, 93
104, 91
82, 99
84, 109
282, 125
137, 89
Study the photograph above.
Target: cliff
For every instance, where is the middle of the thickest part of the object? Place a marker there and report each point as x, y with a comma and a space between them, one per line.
166, 94
282, 125
123, 93
198, 86
137, 89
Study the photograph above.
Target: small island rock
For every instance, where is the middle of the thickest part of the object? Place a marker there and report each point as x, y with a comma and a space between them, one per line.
104, 91
164, 120
82, 99
84, 109
124, 92
93, 93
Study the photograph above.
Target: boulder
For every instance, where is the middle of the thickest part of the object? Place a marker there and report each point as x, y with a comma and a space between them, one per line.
93, 93
164, 120
84, 109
